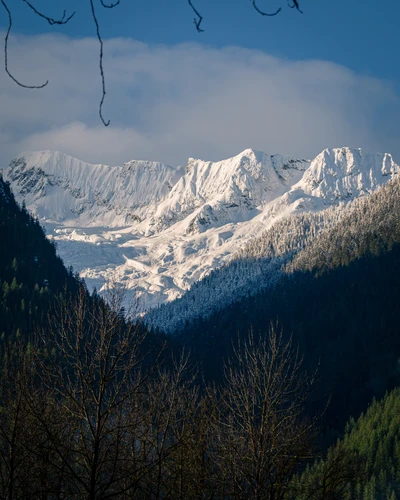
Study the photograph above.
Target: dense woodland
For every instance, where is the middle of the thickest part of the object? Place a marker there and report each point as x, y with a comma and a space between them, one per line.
256, 266
371, 447
30, 271
339, 298
93, 405
290, 244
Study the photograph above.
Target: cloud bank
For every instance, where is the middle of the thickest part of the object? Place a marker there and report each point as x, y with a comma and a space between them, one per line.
169, 103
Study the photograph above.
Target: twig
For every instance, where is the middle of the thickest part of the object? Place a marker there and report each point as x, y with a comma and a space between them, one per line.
199, 19
106, 124
50, 20
265, 13
111, 6
6, 53
295, 5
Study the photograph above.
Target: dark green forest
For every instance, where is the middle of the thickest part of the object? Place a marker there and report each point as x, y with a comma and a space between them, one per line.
368, 454
339, 299
346, 320
30, 271
282, 395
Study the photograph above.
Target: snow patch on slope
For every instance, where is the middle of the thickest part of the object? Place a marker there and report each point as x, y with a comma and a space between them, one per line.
158, 229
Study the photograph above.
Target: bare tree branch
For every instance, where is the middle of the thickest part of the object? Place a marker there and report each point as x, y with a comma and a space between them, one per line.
295, 5
199, 19
261, 433
6, 53
111, 6
64, 20
50, 20
265, 13
105, 123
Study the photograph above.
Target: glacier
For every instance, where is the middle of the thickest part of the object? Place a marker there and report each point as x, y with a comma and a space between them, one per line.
158, 229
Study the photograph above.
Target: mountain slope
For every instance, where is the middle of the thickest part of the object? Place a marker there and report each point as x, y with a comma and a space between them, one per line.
309, 241
371, 448
342, 310
31, 273
60, 188
158, 230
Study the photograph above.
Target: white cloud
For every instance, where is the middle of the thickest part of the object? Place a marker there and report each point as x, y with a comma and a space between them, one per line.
168, 103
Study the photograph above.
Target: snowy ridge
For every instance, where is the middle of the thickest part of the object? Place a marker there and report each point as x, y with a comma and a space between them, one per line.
158, 229
59, 188
345, 173
216, 193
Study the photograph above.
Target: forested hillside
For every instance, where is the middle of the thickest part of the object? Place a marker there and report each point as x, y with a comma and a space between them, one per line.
339, 299
371, 227
304, 241
370, 450
91, 406
30, 271
258, 265
94, 406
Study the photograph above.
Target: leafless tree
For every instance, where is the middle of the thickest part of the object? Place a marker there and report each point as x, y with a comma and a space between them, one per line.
65, 18
14, 461
262, 435
169, 408
122, 425
25, 451
91, 364
88, 413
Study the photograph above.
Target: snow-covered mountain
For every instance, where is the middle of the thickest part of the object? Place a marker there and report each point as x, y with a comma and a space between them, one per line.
65, 190
213, 194
159, 229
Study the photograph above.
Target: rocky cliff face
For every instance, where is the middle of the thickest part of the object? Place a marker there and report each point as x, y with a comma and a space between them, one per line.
158, 229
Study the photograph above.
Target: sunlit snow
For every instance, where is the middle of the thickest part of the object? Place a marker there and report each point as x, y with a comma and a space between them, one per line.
157, 229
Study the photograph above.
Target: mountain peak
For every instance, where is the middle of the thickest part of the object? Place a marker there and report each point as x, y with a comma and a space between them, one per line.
344, 173
253, 153
159, 229
48, 156
58, 187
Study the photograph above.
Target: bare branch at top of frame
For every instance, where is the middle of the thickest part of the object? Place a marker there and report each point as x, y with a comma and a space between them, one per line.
6, 53
197, 22
103, 84
295, 5
109, 6
50, 20
265, 13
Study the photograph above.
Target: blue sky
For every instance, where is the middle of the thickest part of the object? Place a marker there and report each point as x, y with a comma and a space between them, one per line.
360, 34
338, 57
